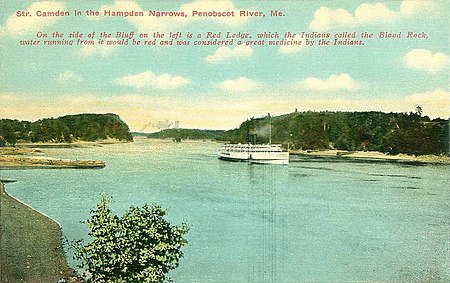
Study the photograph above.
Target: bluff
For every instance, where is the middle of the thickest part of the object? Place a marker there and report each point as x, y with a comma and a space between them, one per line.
393, 133
70, 128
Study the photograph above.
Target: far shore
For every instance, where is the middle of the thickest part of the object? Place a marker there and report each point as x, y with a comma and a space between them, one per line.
372, 156
9, 159
369, 156
67, 144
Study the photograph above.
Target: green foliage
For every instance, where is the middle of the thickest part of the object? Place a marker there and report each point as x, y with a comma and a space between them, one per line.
140, 246
81, 127
386, 132
415, 136
13, 130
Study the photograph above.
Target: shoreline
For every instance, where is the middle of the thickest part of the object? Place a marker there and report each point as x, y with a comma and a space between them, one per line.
31, 246
22, 162
344, 155
74, 144
9, 159
372, 156
26, 158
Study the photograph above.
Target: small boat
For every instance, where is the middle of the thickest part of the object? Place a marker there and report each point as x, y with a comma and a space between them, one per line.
254, 153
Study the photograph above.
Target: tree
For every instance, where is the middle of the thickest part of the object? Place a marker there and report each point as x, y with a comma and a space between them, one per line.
7, 132
419, 110
140, 246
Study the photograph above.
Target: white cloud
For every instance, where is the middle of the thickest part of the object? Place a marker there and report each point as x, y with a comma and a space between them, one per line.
148, 79
67, 76
325, 18
239, 85
425, 60
434, 103
291, 49
332, 83
224, 53
24, 25
367, 13
411, 7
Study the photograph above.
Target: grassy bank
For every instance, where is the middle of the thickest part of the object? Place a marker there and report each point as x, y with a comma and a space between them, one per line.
30, 245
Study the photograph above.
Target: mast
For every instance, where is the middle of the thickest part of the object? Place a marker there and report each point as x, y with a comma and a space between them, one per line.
270, 132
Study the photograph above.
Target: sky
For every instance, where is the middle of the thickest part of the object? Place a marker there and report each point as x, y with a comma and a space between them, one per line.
213, 87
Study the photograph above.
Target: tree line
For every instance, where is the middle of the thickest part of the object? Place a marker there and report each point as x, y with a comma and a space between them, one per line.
393, 133
81, 127
186, 134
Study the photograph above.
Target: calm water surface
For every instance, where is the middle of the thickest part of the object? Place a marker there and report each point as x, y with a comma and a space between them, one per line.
309, 221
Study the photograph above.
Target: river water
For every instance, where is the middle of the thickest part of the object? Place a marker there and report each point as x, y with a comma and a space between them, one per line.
309, 221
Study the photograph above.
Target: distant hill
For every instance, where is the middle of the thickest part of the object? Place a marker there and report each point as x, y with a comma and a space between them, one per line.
184, 134
81, 127
409, 133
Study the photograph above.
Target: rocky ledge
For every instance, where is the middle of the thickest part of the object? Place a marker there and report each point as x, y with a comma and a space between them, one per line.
15, 161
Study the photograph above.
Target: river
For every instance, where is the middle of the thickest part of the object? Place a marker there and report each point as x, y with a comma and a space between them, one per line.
309, 221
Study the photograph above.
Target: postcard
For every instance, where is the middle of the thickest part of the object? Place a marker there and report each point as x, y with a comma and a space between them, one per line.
335, 114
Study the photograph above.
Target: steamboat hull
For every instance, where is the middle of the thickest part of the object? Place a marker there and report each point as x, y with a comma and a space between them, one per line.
255, 154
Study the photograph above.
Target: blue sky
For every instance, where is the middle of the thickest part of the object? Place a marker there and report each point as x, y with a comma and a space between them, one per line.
219, 87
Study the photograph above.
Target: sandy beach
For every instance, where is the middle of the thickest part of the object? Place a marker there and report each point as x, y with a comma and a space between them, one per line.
373, 156
31, 249
43, 145
21, 162
33, 158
